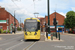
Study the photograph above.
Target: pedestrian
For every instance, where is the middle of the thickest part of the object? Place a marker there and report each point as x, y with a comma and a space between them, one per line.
14, 30
6, 31
46, 29
11, 31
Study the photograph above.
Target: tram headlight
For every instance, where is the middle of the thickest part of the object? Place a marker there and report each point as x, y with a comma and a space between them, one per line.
35, 33
25, 33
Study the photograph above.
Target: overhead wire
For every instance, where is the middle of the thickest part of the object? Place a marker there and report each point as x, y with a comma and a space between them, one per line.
35, 11
15, 4
25, 8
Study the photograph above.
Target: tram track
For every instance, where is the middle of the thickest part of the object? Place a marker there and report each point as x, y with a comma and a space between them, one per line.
29, 46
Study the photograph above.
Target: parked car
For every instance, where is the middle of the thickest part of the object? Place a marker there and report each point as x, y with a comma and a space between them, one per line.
73, 31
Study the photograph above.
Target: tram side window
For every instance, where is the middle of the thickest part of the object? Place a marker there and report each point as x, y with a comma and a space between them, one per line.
38, 25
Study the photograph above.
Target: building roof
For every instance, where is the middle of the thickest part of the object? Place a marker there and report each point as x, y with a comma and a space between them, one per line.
54, 13
7, 12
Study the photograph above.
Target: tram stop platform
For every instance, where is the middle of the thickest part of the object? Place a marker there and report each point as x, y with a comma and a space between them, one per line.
53, 38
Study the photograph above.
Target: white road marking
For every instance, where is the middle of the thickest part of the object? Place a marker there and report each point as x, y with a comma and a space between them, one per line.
22, 40
41, 41
28, 46
9, 42
10, 48
6, 43
31, 46
12, 39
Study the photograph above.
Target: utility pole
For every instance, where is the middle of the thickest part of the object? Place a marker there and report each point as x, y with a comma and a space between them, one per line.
35, 13
48, 19
14, 23
20, 22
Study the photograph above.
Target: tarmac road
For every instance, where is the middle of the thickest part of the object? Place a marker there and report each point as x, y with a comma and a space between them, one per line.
16, 42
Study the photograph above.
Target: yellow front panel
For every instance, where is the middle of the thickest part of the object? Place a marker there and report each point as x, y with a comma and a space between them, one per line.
30, 35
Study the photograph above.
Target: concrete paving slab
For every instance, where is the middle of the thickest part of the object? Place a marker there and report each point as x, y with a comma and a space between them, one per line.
19, 32
56, 40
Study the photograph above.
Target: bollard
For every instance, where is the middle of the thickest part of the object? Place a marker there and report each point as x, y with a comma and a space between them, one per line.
55, 34
47, 34
59, 36
51, 36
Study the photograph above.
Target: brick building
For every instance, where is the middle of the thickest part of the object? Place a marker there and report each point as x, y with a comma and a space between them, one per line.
60, 21
7, 20
42, 24
22, 26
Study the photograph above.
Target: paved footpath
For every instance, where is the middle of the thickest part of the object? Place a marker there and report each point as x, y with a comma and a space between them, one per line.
67, 34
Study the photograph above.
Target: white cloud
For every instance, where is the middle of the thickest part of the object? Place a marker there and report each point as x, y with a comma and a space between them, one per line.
64, 14
25, 8
73, 8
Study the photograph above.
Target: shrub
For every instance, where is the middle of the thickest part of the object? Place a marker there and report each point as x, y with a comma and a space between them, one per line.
19, 29
1, 30
8, 31
4, 31
70, 32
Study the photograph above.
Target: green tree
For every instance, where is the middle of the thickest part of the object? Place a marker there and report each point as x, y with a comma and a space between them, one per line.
70, 20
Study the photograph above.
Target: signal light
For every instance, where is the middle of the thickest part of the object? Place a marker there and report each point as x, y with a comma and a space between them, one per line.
35, 33
26, 33
54, 21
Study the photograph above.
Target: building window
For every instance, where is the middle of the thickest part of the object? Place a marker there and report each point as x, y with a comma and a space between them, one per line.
57, 22
1, 27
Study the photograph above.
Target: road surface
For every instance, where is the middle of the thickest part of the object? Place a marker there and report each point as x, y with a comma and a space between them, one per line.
16, 42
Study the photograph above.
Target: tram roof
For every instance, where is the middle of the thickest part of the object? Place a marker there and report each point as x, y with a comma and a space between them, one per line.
32, 18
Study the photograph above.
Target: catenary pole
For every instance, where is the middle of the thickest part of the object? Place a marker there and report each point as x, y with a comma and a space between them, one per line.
48, 19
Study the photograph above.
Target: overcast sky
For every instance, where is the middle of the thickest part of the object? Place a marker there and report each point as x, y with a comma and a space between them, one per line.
27, 8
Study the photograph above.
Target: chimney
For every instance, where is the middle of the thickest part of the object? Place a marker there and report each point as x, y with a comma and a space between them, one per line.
2, 8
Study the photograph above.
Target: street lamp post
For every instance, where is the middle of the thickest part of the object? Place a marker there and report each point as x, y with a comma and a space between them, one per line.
14, 22
48, 19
